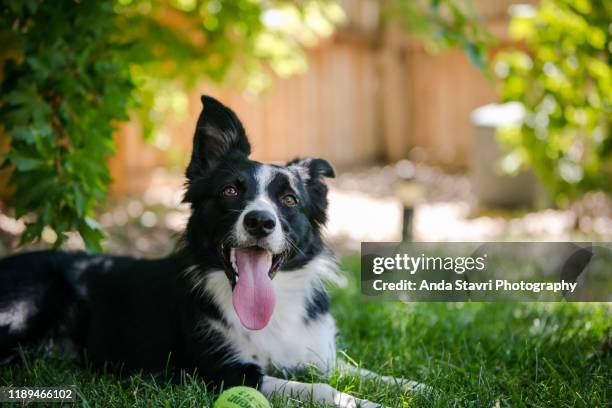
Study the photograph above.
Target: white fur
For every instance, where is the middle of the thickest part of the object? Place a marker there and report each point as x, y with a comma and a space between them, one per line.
275, 242
302, 169
404, 384
16, 315
320, 393
326, 394
264, 175
287, 343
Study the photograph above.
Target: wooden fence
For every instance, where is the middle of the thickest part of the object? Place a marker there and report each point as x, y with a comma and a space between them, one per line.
370, 94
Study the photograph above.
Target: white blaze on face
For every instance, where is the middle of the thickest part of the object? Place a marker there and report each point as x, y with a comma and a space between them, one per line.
275, 242
253, 295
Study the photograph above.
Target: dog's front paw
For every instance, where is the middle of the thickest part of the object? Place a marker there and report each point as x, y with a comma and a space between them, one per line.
348, 401
408, 386
343, 400
369, 404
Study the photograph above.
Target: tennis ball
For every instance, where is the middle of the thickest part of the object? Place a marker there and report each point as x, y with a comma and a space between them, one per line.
241, 397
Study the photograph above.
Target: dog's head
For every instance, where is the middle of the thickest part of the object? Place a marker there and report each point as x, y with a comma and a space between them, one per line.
253, 220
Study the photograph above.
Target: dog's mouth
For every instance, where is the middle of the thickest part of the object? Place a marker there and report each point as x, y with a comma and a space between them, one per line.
231, 267
250, 271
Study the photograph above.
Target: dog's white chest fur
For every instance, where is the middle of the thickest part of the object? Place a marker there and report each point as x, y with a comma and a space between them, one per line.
290, 341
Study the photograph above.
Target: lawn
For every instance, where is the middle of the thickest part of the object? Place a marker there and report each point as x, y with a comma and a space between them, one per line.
477, 354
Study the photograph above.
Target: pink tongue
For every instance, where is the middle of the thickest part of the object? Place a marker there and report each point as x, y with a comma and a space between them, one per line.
253, 295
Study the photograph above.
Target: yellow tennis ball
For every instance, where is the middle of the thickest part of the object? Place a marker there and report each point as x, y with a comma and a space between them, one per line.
241, 397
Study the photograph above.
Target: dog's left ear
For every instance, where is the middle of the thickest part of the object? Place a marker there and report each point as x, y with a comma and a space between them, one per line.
311, 169
312, 172
218, 133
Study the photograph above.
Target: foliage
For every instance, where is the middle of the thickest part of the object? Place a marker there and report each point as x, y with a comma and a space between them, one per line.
564, 81
446, 23
72, 69
63, 88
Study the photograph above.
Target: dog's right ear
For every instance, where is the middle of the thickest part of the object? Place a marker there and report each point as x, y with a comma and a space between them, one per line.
218, 133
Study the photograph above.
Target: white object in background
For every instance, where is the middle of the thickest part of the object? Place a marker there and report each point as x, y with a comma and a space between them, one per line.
491, 186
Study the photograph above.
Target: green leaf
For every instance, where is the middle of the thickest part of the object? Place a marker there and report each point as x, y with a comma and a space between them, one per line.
564, 81
92, 235
24, 162
22, 133
79, 201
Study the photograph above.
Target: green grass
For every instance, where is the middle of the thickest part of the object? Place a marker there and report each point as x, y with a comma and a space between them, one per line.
473, 354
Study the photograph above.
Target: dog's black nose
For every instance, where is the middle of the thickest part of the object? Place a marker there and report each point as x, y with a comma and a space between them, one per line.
259, 223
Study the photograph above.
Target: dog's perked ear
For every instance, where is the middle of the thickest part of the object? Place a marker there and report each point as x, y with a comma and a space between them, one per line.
218, 133
312, 171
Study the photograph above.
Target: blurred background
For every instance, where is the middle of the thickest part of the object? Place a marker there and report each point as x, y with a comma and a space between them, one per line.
446, 120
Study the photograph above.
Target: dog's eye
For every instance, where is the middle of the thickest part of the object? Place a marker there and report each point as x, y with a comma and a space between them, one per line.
289, 200
229, 191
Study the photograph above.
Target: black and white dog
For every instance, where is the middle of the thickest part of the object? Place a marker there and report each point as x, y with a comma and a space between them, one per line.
242, 298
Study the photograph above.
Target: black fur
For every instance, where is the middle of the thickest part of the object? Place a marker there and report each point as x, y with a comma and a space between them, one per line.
147, 315
317, 305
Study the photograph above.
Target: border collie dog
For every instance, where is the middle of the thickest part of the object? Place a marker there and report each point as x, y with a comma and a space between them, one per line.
241, 300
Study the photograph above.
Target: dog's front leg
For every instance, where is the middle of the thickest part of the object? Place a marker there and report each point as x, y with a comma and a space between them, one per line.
321, 393
406, 385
